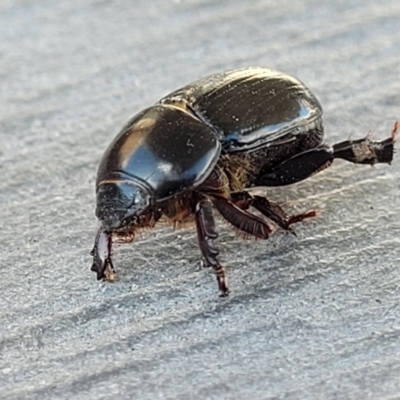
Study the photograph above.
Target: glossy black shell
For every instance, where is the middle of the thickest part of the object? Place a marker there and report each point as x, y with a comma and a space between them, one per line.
251, 108
163, 148
173, 146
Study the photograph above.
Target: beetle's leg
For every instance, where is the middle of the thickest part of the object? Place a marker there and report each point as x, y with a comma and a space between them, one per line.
269, 209
102, 263
298, 167
244, 221
206, 234
309, 162
367, 151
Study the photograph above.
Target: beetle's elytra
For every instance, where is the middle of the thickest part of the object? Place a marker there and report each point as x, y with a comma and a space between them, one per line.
203, 146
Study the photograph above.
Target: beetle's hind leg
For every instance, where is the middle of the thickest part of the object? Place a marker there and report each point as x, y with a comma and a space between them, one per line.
270, 210
311, 161
206, 234
299, 167
367, 151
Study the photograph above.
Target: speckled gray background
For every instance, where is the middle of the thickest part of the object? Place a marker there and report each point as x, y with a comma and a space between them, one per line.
315, 316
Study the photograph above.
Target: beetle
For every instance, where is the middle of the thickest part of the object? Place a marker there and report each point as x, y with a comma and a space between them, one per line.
203, 147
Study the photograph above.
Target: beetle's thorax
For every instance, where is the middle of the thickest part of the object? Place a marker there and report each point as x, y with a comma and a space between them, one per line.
166, 148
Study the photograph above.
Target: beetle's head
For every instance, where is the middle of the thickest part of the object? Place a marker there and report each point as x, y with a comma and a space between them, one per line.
119, 202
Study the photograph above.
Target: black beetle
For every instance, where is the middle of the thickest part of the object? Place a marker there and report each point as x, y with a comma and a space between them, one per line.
204, 146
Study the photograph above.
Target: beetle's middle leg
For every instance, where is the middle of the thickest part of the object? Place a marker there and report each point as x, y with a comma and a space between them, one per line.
311, 161
206, 234
269, 209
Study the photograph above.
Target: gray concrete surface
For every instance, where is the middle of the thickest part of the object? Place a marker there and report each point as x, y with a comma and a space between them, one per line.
312, 317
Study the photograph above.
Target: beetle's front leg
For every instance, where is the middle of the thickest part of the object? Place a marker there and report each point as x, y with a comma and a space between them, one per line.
101, 252
102, 263
206, 235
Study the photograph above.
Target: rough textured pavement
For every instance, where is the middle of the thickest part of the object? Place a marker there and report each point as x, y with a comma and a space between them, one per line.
315, 316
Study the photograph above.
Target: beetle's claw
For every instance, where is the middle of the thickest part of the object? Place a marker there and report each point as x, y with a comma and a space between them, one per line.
224, 291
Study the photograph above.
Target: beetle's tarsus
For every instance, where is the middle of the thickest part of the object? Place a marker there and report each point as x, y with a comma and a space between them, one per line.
367, 151
222, 284
294, 219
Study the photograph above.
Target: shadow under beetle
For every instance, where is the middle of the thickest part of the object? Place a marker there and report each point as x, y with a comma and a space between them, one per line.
202, 147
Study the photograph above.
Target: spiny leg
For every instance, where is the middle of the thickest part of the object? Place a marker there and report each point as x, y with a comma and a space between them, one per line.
269, 209
274, 212
206, 234
242, 220
367, 151
309, 162
102, 263
101, 252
